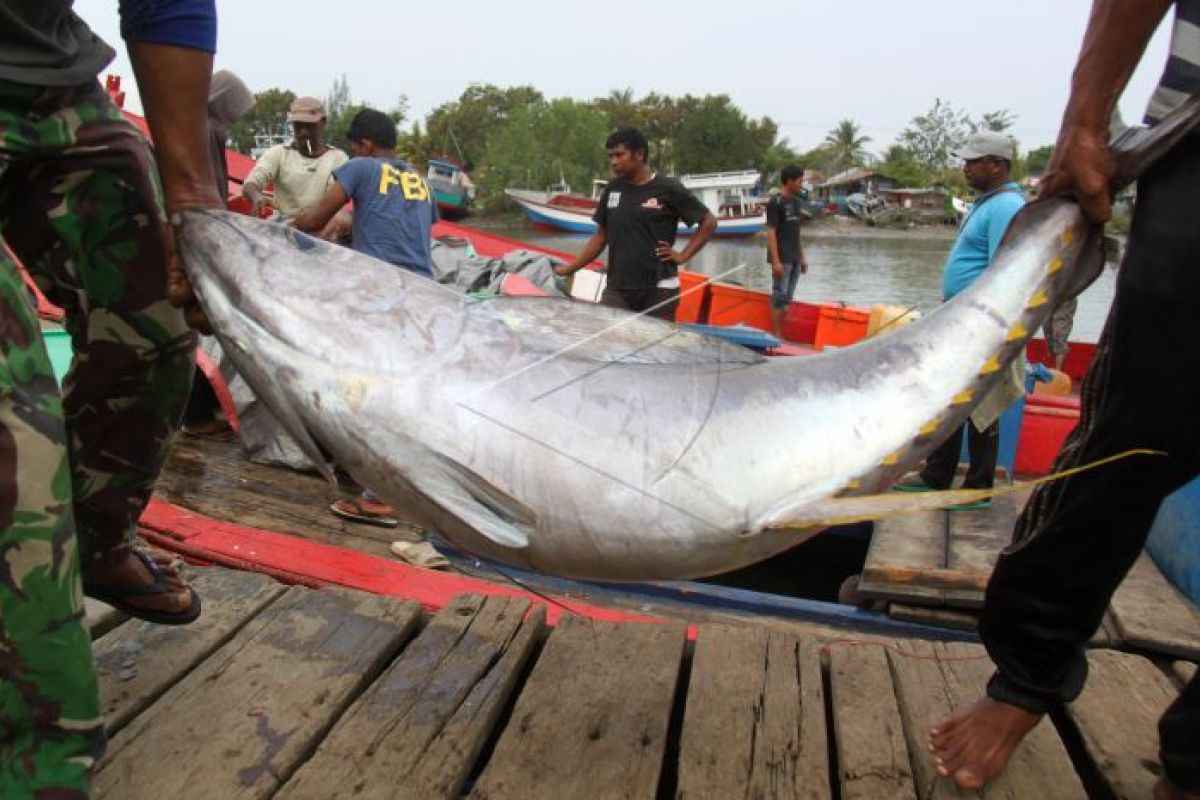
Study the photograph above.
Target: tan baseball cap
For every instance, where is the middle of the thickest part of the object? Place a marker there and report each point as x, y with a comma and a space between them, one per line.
306, 109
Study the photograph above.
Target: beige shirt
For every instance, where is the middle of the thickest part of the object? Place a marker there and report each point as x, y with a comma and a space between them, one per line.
299, 182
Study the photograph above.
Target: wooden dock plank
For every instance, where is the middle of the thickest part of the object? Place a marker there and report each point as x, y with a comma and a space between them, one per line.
219, 480
139, 661
903, 545
1117, 714
100, 618
931, 615
873, 758
417, 731
977, 537
754, 723
241, 722
592, 718
1153, 615
932, 680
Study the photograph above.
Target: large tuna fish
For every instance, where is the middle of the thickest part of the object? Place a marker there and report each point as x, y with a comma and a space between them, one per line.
587, 442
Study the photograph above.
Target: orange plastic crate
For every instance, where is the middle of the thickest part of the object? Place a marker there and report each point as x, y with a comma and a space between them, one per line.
733, 304
838, 326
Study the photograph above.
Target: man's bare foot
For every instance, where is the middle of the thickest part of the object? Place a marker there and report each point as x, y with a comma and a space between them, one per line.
1165, 790
974, 744
133, 572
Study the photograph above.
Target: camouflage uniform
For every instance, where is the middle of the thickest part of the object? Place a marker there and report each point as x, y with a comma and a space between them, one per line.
80, 206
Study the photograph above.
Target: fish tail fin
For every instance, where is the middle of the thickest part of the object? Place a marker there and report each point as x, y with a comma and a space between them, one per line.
865, 508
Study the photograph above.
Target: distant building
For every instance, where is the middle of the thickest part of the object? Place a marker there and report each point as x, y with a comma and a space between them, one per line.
930, 204
858, 180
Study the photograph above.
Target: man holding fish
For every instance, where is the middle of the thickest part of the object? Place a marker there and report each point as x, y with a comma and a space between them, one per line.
1078, 537
80, 207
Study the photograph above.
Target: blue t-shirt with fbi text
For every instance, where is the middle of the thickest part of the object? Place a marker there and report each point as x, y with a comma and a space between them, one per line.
979, 237
394, 211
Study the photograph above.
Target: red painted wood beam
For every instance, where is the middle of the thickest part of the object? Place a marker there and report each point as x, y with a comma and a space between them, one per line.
294, 560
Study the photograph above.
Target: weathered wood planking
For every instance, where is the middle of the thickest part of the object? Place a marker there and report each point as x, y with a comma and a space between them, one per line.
593, 716
754, 723
1153, 615
417, 731
100, 618
138, 661
1184, 671
872, 754
242, 721
978, 536
932, 680
1117, 714
219, 480
934, 615
912, 541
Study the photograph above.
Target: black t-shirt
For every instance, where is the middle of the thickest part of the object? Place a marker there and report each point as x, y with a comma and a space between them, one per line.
636, 219
784, 216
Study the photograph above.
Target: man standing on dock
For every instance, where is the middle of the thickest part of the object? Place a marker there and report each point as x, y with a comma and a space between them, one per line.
393, 218
783, 244
637, 220
987, 160
80, 207
1078, 537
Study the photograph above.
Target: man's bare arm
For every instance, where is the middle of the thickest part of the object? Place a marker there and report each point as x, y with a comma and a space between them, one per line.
593, 248
773, 251
173, 83
1116, 37
313, 220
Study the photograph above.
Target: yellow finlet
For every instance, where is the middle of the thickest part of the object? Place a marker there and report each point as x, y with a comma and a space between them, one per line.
854, 485
963, 397
892, 460
1038, 300
1055, 266
1068, 237
930, 428
990, 366
1018, 332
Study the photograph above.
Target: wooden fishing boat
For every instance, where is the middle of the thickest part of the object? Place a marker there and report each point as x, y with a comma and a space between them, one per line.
451, 187
726, 194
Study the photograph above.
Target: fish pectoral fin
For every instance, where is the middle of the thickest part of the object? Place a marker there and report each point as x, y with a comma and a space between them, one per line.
488, 509
865, 508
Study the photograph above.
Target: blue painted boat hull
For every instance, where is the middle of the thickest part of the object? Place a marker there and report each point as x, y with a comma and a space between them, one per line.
1174, 541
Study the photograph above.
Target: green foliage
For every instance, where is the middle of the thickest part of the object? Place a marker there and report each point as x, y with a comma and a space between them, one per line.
340, 110
461, 127
543, 143
933, 136
269, 116
716, 136
900, 164
998, 121
845, 146
1037, 159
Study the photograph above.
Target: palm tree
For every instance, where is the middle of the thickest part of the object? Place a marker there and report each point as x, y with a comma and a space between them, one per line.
846, 145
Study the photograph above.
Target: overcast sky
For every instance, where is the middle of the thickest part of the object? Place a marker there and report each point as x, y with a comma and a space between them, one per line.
806, 64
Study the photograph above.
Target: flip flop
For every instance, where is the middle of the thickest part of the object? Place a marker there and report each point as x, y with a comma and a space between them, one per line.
352, 509
118, 597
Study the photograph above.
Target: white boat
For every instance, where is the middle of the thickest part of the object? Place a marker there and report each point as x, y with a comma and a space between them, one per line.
726, 194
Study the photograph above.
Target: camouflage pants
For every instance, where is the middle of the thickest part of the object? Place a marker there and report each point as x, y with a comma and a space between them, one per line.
81, 209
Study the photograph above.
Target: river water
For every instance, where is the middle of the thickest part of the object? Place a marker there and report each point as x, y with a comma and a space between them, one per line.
848, 263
